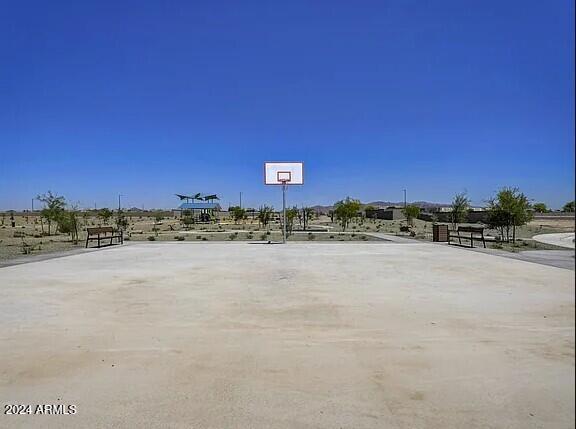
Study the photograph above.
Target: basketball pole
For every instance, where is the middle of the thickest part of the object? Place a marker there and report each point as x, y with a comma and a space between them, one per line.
284, 212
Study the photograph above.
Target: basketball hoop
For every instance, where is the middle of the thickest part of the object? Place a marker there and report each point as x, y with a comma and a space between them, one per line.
283, 173
284, 176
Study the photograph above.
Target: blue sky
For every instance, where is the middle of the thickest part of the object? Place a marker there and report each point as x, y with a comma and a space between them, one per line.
148, 99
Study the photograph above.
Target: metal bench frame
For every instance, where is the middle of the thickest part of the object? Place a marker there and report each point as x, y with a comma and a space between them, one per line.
102, 233
478, 230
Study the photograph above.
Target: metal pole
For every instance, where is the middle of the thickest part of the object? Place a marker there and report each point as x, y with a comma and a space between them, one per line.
119, 207
240, 199
284, 212
404, 198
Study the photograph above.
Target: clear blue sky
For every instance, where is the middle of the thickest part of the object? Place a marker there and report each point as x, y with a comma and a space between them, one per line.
150, 98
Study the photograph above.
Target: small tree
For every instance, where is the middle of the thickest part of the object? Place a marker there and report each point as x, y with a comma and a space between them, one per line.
54, 206
460, 208
331, 214
157, 219
291, 215
568, 207
540, 208
238, 213
85, 216
105, 214
305, 215
346, 210
265, 215
68, 223
498, 219
121, 220
411, 212
508, 210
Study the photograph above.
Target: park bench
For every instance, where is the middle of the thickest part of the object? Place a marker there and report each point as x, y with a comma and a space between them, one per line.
474, 232
104, 233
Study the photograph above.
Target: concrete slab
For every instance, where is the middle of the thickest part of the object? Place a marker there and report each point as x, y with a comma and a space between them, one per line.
565, 239
307, 335
554, 258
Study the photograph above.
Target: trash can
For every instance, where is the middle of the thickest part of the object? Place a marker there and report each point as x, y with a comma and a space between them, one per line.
440, 233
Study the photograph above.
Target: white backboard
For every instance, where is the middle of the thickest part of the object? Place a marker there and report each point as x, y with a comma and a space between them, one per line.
278, 173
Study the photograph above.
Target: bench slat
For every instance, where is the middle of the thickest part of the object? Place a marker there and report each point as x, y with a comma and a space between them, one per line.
100, 230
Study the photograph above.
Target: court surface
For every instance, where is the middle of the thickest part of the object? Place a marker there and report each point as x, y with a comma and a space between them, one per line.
307, 335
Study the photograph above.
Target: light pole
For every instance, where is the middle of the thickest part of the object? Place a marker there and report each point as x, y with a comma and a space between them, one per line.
240, 199
119, 203
404, 198
284, 186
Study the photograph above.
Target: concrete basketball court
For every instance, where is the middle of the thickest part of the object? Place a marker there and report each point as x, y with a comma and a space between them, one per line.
307, 335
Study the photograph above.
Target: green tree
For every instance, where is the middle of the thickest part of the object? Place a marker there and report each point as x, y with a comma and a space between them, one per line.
68, 223
105, 214
121, 220
54, 206
238, 213
291, 215
568, 207
540, 208
265, 215
346, 210
187, 218
411, 212
460, 209
305, 215
508, 210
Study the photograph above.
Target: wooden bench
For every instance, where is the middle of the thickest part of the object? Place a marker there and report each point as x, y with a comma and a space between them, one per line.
472, 230
104, 233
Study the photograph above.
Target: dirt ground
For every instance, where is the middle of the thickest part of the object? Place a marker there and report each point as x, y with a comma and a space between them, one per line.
306, 335
28, 236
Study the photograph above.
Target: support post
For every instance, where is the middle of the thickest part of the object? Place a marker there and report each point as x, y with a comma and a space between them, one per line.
284, 212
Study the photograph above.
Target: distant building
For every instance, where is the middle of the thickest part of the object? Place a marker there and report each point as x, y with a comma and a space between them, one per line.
390, 213
444, 214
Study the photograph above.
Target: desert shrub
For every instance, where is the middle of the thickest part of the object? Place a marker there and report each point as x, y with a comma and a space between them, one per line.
126, 238
198, 237
151, 238
354, 235
264, 237
179, 238
232, 236
311, 236
364, 238
331, 236
204, 239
